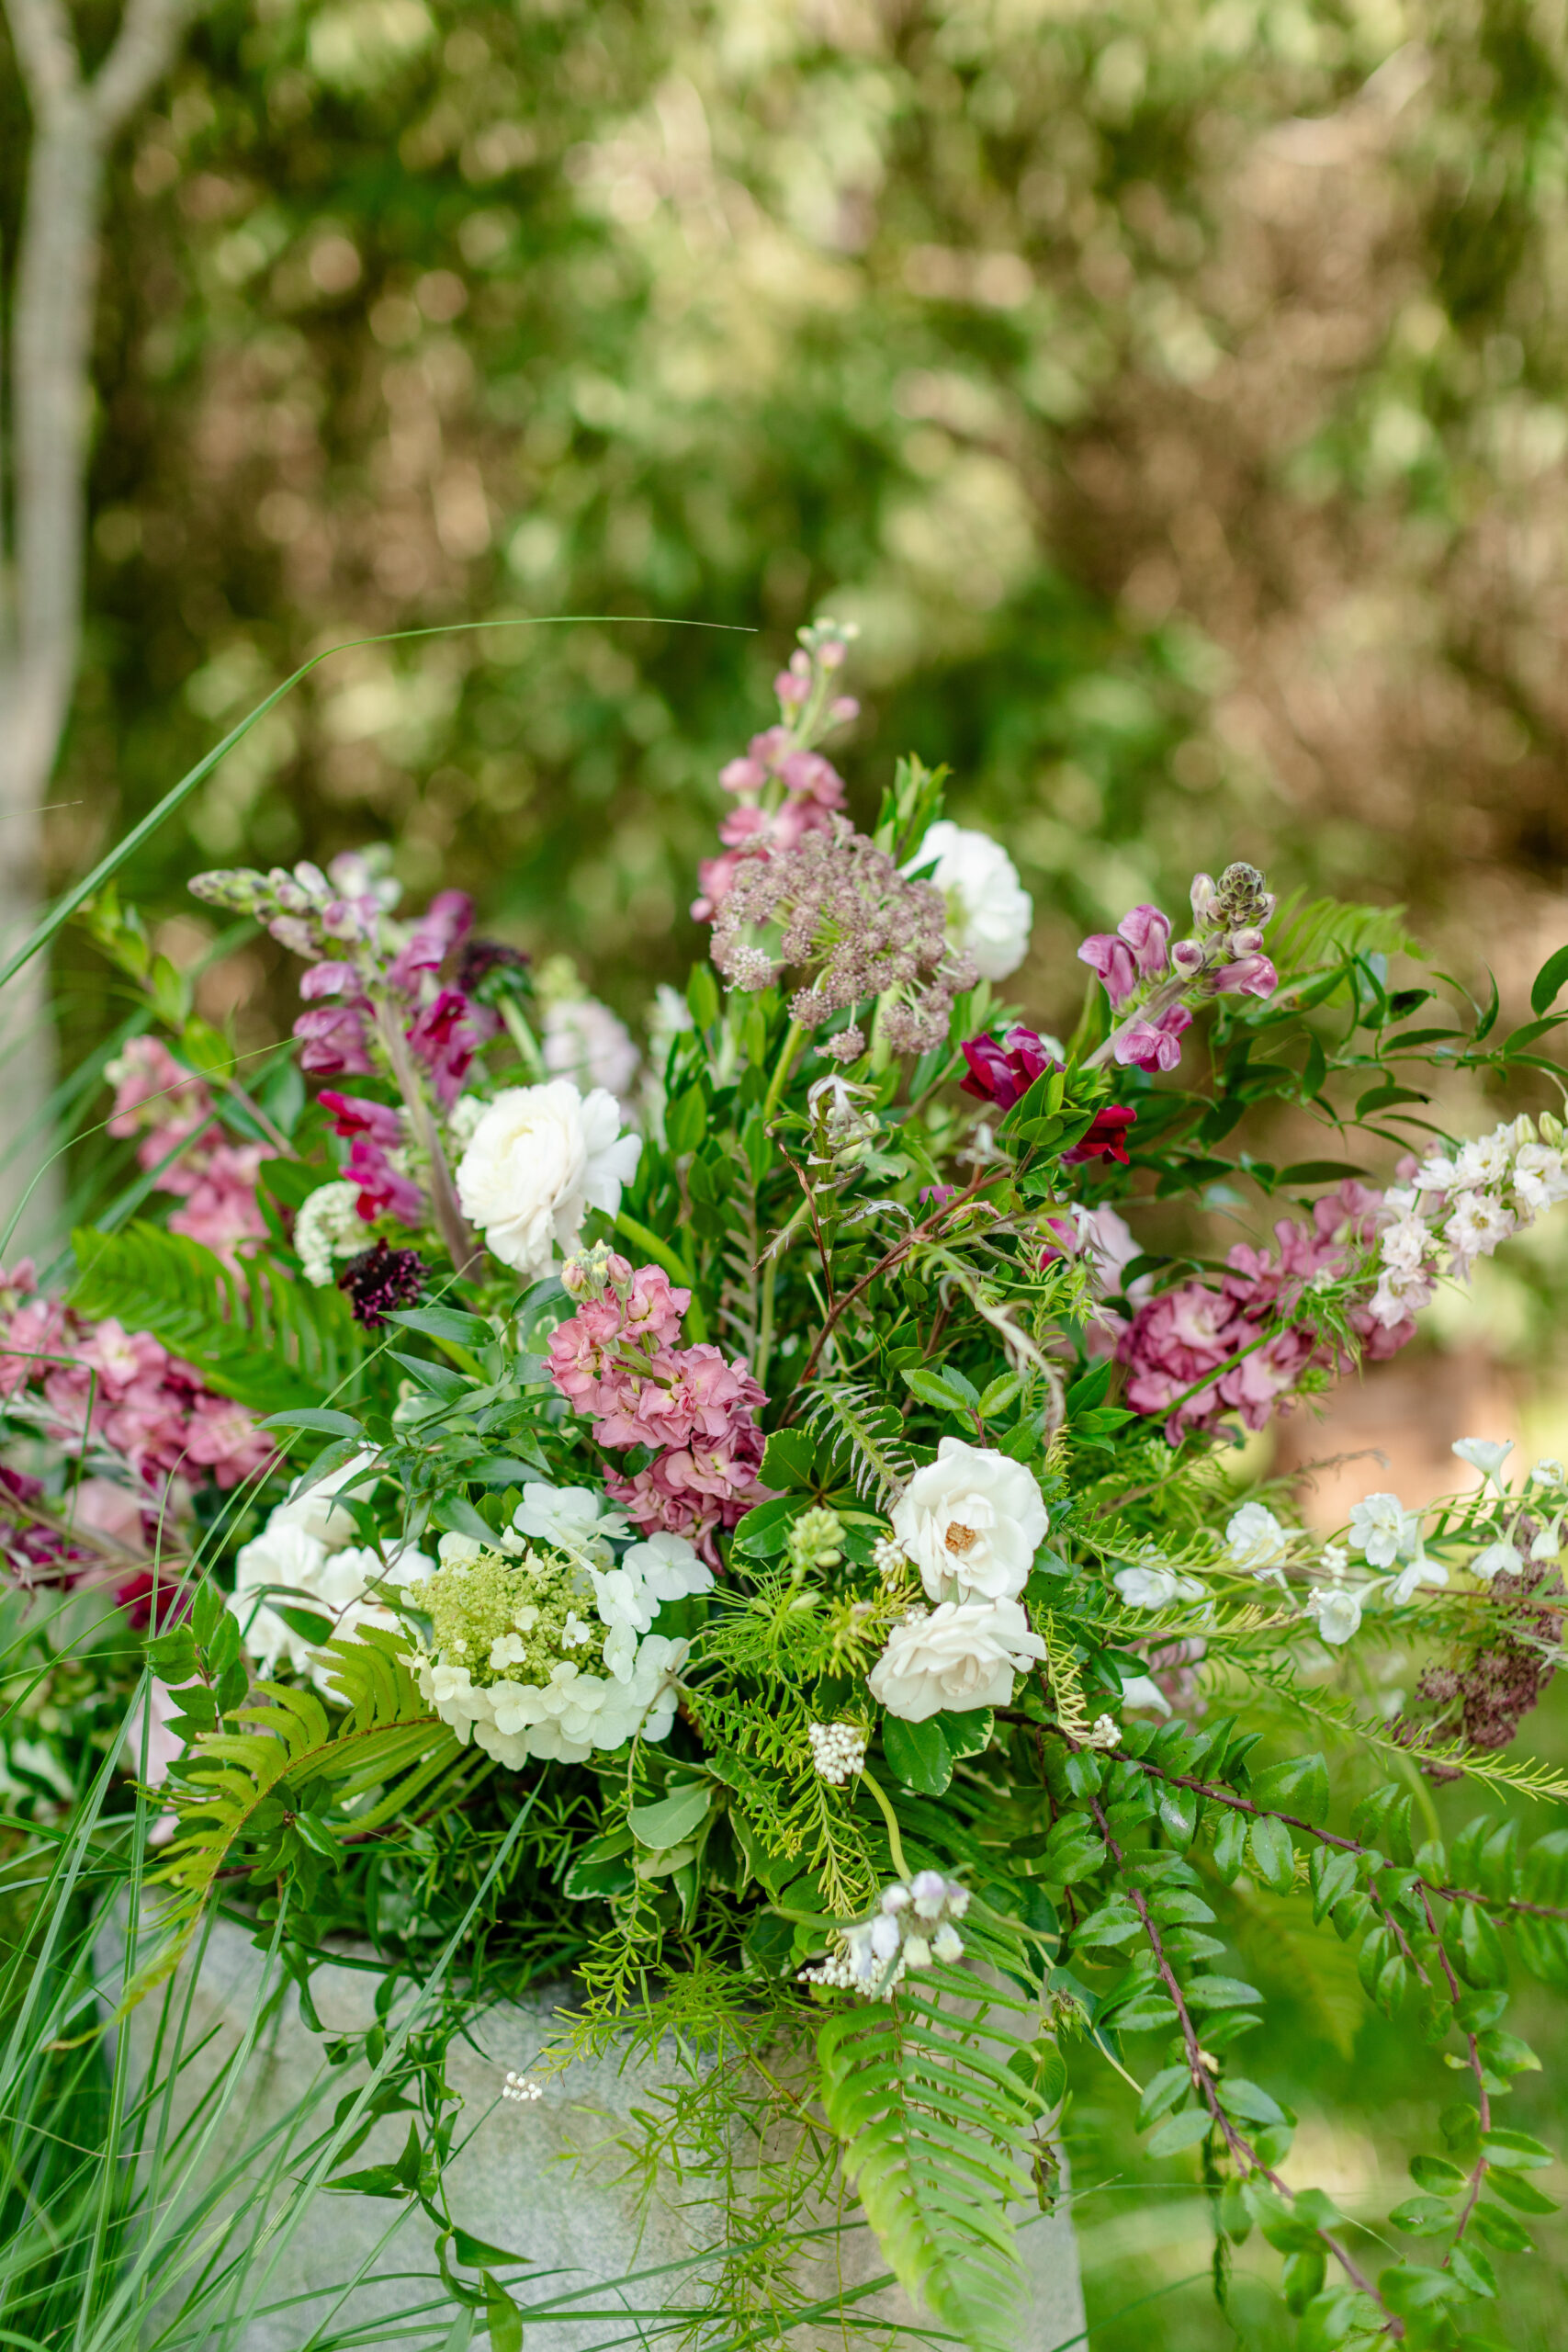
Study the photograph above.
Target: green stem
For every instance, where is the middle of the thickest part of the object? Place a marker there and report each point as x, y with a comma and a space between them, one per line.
895, 1843
672, 1262
791, 1047
765, 1324
524, 1039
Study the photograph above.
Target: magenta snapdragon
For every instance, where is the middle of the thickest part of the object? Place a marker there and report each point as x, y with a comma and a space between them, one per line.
1152, 984
619, 1362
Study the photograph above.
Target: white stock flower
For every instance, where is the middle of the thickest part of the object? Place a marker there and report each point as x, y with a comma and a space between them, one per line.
328, 1226
1497, 1559
960, 1657
1485, 1454
988, 910
1155, 1588
972, 1521
1408, 1582
1540, 1178
1336, 1611
1381, 1529
572, 1519
1476, 1224
1254, 1539
584, 1040
539, 1159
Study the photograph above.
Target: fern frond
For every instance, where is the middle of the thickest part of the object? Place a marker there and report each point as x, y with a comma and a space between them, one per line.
1308, 935
1066, 1689
254, 1333
865, 1431
386, 1753
934, 2128
1527, 1776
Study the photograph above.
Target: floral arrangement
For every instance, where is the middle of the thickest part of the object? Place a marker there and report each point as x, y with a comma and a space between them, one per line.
776, 1503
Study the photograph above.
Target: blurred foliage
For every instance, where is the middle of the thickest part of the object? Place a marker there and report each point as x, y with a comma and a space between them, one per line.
1171, 393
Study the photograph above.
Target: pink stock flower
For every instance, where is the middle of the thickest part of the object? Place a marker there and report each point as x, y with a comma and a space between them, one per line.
743, 776
1113, 959
617, 1362
220, 1208
1152, 1045
153, 1090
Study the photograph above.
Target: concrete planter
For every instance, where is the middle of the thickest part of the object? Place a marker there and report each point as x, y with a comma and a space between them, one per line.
550, 2179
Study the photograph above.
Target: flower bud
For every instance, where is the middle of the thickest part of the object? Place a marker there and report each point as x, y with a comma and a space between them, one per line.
1187, 958
1204, 896
842, 709
1248, 940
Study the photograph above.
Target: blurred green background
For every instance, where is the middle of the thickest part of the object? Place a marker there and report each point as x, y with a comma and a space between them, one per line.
1172, 391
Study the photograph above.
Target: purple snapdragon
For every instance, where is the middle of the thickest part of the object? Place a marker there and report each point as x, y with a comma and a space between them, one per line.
1152, 983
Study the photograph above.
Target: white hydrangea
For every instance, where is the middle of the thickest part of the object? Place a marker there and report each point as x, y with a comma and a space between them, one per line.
567, 1719
571, 1519
989, 912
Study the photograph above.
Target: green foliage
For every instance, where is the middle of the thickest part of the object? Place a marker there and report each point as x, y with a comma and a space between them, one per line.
935, 2123
259, 1335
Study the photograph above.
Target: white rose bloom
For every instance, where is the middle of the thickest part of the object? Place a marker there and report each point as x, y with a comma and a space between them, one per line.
1382, 1528
1497, 1559
988, 910
539, 1159
1255, 1540
961, 1657
972, 1521
585, 1041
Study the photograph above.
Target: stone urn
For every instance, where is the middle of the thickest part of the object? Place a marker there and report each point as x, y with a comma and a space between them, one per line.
555, 2179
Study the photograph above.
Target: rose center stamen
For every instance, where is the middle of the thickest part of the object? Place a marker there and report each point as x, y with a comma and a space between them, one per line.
959, 1538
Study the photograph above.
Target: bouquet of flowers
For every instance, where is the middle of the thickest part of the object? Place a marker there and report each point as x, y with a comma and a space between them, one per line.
757, 1524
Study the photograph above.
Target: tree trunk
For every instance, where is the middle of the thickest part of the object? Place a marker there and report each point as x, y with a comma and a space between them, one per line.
40, 632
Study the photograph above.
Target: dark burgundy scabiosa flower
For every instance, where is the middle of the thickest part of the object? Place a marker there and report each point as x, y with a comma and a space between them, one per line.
487, 970
380, 1280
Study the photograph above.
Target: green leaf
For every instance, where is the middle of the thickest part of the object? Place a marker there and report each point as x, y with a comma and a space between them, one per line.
1333, 1875
1299, 1786
1161, 2093
1500, 2229
502, 2316
1317, 1171
1548, 981
1479, 1957
317, 1418
1520, 2191
1471, 2269
445, 1323
1183, 2130
1436, 2175
672, 1820
476, 2254
1238, 2096
1515, 2151
1220, 1993
788, 1460
1230, 1844
919, 1754
941, 1389
1273, 1853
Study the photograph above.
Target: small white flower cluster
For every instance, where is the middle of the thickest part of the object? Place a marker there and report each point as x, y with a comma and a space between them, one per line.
838, 1751
328, 1226
1458, 1209
971, 1521
914, 1923
577, 1624
308, 1557
1107, 1733
519, 2087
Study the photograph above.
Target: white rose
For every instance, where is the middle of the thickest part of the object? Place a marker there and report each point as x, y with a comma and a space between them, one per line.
963, 1655
988, 910
972, 1521
540, 1159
